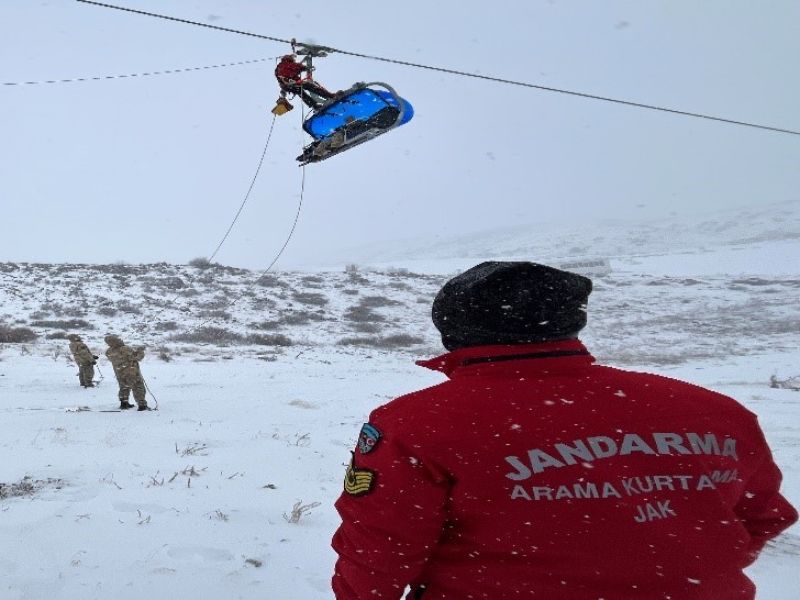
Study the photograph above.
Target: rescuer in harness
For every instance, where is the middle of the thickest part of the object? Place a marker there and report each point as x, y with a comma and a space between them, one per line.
290, 79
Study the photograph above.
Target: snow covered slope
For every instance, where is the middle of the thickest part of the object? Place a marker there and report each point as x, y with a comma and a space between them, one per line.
746, 240
262, 383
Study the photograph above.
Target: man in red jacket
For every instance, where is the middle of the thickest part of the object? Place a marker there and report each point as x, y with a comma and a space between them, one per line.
289, 76
534, 473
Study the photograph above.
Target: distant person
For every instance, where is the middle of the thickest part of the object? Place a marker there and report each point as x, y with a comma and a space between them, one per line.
534, 473
125, 361
288, 72
84, 358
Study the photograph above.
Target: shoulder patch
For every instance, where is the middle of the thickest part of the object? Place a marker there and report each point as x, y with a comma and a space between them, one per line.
368, 438
358, 482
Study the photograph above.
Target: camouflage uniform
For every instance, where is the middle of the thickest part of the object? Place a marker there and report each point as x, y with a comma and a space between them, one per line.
83, 358
125, 361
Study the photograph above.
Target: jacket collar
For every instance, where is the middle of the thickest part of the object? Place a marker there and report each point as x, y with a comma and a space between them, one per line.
536, 356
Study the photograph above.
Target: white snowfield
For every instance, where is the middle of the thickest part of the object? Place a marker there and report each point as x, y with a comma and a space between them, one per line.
227, 490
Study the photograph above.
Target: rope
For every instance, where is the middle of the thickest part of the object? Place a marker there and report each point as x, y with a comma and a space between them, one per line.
99, 372
280, 251
147, 74
275, 258
249, 190
149, 391
466, 74
170, 304
285, 243
294, 224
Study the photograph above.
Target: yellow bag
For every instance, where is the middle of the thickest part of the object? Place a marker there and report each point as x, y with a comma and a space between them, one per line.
282, 106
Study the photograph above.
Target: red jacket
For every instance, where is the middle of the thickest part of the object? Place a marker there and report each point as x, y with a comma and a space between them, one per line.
289, 69
533, 473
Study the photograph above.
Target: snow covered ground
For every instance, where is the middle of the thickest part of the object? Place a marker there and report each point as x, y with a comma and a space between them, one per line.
195, 500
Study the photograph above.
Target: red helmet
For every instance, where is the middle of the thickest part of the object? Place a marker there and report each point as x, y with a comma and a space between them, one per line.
288, 57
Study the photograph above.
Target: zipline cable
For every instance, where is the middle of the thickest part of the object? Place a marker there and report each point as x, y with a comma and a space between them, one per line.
133, 75
461, 73
168, 18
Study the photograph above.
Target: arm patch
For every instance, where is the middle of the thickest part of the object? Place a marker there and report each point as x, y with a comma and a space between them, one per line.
358, 482
368, 438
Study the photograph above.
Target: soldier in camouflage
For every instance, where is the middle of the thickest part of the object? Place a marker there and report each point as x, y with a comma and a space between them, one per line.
125, 361
84, 358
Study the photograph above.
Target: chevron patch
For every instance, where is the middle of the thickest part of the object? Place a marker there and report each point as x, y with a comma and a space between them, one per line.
358, 482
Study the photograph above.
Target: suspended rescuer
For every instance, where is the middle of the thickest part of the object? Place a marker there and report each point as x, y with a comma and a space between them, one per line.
125, 361
533, 472
84, 358
288, 72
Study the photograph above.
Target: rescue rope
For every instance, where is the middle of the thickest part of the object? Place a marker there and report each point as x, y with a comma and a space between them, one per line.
149, 391
132, 75
294, 224
249, 190
274, 259
99, 372
465, 73
170, 304
286, 241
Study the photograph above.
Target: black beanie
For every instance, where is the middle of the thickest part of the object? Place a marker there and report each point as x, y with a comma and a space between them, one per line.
510, 303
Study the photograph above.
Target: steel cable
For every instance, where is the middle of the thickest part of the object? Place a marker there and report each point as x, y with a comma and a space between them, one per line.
462, 73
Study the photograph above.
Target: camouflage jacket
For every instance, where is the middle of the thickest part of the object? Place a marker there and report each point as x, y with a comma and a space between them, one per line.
125, 361
81, 353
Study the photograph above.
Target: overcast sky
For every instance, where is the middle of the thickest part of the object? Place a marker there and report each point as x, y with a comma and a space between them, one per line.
154, 168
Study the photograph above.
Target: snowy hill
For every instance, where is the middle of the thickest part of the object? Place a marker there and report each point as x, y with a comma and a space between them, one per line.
262, 382
206, 310
732, 232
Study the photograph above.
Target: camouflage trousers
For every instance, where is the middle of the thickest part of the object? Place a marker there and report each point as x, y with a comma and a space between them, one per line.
137, 387
86, 375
